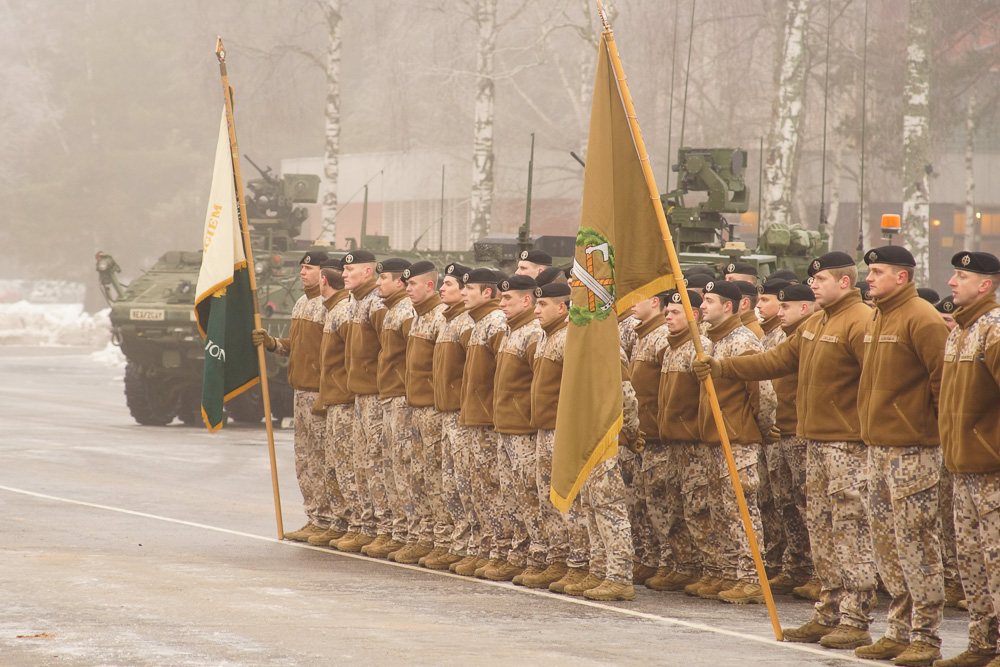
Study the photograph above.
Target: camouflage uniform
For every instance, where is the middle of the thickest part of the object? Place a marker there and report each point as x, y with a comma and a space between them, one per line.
774, 473
786, 463
340, 461
339, 405
701, 489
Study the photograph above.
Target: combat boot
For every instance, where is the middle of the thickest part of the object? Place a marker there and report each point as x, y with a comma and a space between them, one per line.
967, 658
782, 584
579, 588
809, 590
390, 547
530, 571
469, 569
574, 575
355, 545
953, 593
504, 571
349, 535
711, 592
810, 633
377, 543
324, 538
304, 533
641, 572
744, 593
918, 654
465, 560
883, 649
609, 591
671, 581
846, 637
444, 562
413, 553
436, 552
692, 589
491, 563
553, 573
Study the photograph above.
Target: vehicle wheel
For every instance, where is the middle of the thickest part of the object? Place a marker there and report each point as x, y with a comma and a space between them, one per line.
190, 407
247, 408
150, 400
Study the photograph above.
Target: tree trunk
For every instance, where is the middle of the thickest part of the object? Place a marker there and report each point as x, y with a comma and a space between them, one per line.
973, 234
784, 136
482, 145
331, 156
916, 138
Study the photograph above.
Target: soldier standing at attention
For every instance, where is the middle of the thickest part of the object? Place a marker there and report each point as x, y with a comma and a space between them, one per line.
531, 263
748, 408
970, 441
516, 437
827, 350
397, 438
897, 403
457, 467
302, 349
480, 298
566, 534
425, 481
679, 476
361, 352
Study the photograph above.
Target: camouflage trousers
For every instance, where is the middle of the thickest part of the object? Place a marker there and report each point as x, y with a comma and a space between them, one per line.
340, 483
565, 534
737, 557
426, 481
946, 510
903, 509
457, 466
369, 466
645, 546
397, 449
977, 538
786, 472
519, 489
664, 465
603, 499
701, 491
839, 532
774, 536
486, 495
310, 459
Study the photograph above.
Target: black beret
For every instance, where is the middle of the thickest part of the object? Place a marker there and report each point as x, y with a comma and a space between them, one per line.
314, 258
746, 288
895, 255
392, 265
741, 267
332, 263
418, 269
976, 262
457, 271
831, 260
784, 274
536, 257
945, 305
928, 295
558, 289
517, 283
480, 276
796, 292
673, 296
701, 268
866, 289
724, 289
698, 280
550, 274
773, 285
358, 257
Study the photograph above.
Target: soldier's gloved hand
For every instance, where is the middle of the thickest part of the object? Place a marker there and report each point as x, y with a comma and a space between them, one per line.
774, 435
707, 366
638, 444
261, 337
318, 408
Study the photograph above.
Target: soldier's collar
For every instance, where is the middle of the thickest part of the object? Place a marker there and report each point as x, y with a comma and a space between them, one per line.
428, 304
483, 309
966, 315
790, 329
453, 311
312, 292
394, 298
897, 298
677, 339
521, 319
553, 327
362, 290
850, 297
770, 324
653, 323
724, 328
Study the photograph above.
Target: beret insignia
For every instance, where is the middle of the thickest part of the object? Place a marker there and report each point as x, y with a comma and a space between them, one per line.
760, 289
966, 260
676, 297
538, 292
349, 259
730, 268
948, 306
816, 265
465, 278
709, 287
451, 269
524, 254
378, 267
406, 274
505, 285
872, 256
781, 295
810, 280
307, 259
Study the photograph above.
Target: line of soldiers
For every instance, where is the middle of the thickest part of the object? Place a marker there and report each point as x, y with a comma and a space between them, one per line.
424, 429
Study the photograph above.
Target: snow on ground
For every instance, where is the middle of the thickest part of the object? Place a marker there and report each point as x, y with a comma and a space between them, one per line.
49, 324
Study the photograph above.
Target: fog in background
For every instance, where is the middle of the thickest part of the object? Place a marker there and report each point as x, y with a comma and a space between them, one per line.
110, 108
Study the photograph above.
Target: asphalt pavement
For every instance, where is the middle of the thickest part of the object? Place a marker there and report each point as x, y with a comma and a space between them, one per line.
126, 545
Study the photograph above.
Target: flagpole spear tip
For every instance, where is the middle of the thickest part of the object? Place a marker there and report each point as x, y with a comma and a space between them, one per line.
220, 51
604, 16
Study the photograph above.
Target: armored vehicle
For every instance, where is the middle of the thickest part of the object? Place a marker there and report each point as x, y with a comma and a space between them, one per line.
152, 317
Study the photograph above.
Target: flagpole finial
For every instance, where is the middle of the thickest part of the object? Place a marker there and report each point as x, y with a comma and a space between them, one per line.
220, 50
604, 16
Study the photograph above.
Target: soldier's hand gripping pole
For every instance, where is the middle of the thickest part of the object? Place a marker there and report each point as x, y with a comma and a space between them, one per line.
675, 269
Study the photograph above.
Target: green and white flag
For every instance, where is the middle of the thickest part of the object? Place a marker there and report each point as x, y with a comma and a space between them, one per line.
224, 302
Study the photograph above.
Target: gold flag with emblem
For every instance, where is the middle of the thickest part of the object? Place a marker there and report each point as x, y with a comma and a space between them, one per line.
620, 260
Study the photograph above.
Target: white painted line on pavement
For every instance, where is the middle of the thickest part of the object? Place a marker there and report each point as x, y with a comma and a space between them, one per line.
829, 654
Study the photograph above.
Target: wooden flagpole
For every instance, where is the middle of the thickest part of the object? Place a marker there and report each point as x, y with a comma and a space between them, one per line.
675, 268
220, 52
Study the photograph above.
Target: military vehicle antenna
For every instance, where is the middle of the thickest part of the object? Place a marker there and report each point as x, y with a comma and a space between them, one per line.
364, 217
441, 227
826, 98
760, 185
524, 233
864, 115
670, 114
687, 80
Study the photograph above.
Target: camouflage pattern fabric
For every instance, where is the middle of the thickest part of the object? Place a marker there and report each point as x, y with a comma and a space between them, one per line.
839, 531
486, 493
665, 466
556, 525
340, 483
310, 458
369, 466
646, 548
426, 480
397, 450
608, 527
786, 461
946, 510
903, 509
519, 491
737, 558
457, 466
977, 527
701, 490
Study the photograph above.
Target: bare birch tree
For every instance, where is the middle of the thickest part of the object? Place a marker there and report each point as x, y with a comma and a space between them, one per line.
482, 143
331, 153
972, 230
916, 137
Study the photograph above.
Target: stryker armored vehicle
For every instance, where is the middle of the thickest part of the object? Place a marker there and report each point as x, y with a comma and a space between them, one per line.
152, 317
